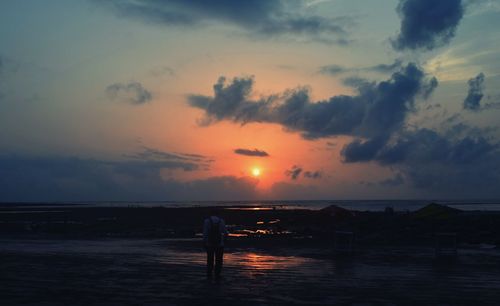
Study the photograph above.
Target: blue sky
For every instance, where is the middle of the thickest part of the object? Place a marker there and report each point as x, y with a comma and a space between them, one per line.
171, 100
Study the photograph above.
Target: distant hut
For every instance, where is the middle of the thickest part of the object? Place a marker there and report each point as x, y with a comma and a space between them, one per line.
337, 211
435, 210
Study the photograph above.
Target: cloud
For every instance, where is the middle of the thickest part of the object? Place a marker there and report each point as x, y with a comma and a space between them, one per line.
426, 146
475, 93
148, 153
196, 161
393, 182
356, 82
294, 172
313, 174
380, 68
377, 109
333, 69
360, 151
132, 93
427, 24
461, 161
386, 68
25, 178
254, 152
264, 18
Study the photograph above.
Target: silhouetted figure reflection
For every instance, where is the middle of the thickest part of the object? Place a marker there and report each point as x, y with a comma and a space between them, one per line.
214, 232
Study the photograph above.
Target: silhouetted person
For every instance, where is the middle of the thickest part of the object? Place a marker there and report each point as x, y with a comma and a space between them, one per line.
214, 232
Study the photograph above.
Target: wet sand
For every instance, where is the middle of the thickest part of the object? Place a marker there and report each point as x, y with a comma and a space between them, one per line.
171, 272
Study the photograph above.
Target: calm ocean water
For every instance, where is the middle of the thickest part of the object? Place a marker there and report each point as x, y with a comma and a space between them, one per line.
362, 205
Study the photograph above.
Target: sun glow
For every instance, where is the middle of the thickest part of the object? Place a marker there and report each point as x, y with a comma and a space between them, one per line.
256, 172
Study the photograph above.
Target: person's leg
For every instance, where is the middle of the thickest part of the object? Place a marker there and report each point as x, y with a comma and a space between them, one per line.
210, 261
219, 254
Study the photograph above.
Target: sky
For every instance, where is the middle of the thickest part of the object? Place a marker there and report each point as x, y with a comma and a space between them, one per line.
170, 100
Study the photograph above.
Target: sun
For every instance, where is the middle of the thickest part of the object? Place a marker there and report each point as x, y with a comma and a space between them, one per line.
256, 172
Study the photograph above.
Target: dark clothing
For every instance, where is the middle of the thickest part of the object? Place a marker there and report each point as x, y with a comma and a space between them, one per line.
212, 227
217, 253
208, 226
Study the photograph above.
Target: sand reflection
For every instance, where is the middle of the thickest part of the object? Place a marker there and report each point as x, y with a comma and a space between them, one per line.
256, 261
241, 260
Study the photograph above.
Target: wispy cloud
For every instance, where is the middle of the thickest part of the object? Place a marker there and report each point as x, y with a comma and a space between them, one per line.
261, 18
132, 93
294, 172
475, 93
254, 152
335, 69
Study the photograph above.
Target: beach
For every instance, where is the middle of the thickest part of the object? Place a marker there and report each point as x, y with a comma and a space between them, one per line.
171, 272
107, 257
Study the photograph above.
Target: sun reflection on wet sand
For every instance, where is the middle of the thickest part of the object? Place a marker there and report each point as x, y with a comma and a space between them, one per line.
241, 260
257, 261
251, 264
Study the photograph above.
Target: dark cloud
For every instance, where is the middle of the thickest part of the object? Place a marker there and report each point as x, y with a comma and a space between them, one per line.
360, 151
377, 109
475, 93
356, 82
313, 174
294, 172
380, 68
428, 88
260, 17
393, 181
254, 152
462, 161
147, 153
426, 146
132, 92
386, 68
333, 69
198, 162
427, 23
77, 179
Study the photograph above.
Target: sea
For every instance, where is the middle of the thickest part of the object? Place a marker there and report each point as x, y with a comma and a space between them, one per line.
358, 205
